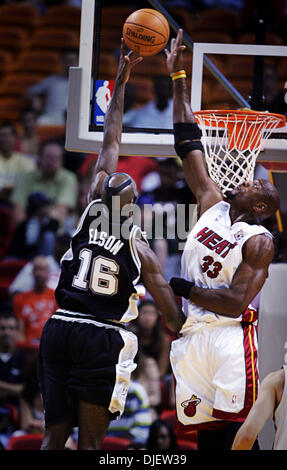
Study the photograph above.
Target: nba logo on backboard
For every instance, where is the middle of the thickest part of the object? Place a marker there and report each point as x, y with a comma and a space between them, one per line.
103, 95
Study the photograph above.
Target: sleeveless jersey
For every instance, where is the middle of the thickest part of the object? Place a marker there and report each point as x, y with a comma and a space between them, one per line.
280, 419
99, 272
212, 253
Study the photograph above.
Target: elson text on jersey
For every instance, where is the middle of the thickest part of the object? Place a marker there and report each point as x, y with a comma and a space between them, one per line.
110, 243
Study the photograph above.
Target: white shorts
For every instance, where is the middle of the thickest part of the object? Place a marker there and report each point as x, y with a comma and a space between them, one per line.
216, 374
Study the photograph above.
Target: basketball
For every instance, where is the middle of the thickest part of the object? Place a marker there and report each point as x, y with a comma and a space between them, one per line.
146, 32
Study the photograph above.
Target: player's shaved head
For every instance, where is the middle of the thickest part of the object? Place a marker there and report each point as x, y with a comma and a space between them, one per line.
122, 185
270, 196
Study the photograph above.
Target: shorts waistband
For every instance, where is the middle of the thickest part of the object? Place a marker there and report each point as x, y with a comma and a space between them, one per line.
68, 315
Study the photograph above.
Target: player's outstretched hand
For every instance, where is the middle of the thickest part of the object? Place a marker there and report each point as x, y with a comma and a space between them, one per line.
127, 62
181, 287
174, 60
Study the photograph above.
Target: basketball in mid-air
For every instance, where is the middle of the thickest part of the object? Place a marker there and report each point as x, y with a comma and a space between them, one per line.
146, 32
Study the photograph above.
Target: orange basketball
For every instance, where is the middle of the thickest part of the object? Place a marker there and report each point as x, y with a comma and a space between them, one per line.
146, 32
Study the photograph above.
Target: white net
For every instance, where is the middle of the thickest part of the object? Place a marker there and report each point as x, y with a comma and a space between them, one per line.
232, 141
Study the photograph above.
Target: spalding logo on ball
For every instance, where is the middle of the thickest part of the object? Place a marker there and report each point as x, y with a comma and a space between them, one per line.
146, 32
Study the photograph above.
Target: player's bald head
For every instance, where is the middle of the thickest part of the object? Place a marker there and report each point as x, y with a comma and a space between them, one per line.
121, 185
270, 196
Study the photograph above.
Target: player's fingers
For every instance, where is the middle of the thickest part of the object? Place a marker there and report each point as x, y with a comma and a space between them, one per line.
136, 60
123, 47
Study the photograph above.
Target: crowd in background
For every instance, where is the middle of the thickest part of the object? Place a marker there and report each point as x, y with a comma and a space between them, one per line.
43, 191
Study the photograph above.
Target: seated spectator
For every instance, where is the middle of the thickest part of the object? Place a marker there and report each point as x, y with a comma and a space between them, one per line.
36, 235
167, 191
24, 281
12, 366
136, 419
33, 308
28, 140
147, 373
49, 97
59, 184
274, 92
153, 340
13, 164
31, 405
161, 436
156, 113
31, 408
136, 167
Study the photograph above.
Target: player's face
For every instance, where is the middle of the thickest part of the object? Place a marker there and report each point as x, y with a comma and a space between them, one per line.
248, 193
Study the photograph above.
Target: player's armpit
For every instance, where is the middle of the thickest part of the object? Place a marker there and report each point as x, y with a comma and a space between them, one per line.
158, 287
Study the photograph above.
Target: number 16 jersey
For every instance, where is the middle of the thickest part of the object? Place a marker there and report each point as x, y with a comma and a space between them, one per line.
212, 253
100, 271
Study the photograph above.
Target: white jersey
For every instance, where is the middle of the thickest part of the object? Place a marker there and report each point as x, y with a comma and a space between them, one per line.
280, 419
212, 253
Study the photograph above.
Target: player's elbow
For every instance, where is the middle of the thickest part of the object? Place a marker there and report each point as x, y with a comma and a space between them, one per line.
175, 325
244, 440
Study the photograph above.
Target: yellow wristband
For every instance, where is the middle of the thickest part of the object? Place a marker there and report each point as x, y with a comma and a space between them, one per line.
177, 73
175, 77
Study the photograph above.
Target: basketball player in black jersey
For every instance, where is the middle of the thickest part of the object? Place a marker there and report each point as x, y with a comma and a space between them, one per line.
86, 355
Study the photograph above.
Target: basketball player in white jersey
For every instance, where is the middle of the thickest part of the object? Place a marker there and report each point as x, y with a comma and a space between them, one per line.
224, 265
271, 401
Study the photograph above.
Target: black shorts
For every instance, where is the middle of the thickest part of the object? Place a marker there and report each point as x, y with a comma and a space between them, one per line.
80, 358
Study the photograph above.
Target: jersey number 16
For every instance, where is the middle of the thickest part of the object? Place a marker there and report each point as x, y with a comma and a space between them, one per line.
103, 278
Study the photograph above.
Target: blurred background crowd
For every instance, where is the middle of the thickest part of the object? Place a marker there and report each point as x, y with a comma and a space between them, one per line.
43, 189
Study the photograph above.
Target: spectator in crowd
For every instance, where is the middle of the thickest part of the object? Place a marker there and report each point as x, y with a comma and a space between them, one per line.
137, 167
13, 164
31, 405
54, 88
31, 411
36, 234
156, 113
24, 281
28, 141
274, 94
33, 308
12, 366
147, 373
136, 419
153, 339
165, 192
59, 184
161, 437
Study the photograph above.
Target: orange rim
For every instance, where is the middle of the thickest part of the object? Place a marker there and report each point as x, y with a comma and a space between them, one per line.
244, 114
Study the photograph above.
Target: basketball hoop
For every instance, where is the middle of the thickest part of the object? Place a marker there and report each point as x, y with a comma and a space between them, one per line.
232, 141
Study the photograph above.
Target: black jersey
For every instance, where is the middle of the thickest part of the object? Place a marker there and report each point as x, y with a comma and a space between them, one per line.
99, 272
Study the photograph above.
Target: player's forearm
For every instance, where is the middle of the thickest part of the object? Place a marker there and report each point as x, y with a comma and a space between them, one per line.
226, 301
182, 111
243, 441
109, 153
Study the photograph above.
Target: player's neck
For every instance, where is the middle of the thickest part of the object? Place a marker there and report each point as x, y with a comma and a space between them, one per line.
237, 215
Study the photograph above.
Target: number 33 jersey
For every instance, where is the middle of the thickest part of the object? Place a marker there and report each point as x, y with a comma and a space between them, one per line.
100, 271
212, 253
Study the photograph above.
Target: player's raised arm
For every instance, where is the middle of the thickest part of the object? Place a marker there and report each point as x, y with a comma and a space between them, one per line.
109, 153
187, 133
159, 288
